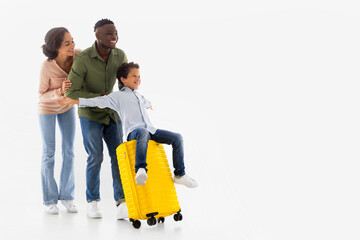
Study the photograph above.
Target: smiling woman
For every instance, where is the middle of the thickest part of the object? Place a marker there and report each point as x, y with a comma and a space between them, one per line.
59, 48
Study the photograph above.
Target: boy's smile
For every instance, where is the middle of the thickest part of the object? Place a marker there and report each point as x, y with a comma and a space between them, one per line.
133, 79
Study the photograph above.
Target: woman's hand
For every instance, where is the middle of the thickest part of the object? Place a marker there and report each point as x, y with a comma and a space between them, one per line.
65, 86
67, 101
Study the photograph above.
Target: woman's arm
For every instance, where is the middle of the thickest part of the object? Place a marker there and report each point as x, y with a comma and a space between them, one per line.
67, 101
44, 84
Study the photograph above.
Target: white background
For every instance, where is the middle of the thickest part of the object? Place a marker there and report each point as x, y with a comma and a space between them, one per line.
265, 94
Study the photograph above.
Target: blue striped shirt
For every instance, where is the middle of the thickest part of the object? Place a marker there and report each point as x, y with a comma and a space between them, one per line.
130, 105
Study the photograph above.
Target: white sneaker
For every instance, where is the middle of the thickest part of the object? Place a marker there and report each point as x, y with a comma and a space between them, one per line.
186, 180
122, 211
93, 210
70, 207
52, 209
141, 176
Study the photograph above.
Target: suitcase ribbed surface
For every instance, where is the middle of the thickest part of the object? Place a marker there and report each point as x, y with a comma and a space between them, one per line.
158, 194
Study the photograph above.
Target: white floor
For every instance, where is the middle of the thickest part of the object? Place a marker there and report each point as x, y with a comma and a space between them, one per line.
23, 214
260, 195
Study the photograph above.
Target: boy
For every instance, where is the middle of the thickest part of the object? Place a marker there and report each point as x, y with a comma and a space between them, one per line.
131, 107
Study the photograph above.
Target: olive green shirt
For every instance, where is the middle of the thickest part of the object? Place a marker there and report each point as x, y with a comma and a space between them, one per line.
91, 76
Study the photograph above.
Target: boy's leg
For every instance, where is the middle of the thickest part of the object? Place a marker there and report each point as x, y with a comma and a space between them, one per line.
142, 137
176, 140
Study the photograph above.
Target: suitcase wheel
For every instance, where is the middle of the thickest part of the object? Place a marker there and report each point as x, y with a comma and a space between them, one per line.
151, 221
136, 223
161, 219
178, 216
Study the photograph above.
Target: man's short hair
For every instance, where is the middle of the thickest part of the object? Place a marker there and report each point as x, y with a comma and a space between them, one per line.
102, 22
123, 71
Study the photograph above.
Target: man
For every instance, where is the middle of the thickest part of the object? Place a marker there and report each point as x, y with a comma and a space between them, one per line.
93, 74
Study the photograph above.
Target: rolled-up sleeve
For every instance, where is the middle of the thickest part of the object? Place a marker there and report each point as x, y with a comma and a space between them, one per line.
77, 78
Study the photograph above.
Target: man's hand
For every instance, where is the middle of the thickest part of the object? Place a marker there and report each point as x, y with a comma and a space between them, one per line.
67, 101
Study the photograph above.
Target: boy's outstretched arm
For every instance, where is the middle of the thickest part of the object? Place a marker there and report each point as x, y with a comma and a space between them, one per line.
107, 101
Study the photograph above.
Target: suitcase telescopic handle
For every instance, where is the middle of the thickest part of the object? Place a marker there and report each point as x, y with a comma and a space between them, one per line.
118, 124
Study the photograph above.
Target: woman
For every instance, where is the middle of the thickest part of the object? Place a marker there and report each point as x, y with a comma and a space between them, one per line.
59, 50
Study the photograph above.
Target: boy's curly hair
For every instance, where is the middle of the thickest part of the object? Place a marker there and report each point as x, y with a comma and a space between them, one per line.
123, 71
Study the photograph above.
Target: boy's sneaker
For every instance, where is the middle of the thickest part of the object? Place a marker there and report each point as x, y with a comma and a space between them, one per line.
70, 207
122, 211
141, 176
93, 210
52, 209
186, 180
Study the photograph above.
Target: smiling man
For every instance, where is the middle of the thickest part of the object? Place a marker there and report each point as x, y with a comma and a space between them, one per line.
93, 74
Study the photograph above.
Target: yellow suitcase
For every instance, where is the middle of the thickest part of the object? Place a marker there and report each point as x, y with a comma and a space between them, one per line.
157, 198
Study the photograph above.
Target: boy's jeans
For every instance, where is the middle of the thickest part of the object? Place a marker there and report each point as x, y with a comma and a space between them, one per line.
66, 122
93, 135
142, 137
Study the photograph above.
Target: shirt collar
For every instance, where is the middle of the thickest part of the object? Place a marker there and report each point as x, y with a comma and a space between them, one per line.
128, 89
95, 53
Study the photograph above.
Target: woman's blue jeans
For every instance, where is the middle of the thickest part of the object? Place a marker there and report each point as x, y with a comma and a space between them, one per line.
66, 121
93, 135
143, 136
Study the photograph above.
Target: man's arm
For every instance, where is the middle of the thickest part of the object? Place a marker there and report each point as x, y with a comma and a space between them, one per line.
77, 77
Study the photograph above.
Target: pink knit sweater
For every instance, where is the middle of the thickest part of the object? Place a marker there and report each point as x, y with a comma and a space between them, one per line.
51, 78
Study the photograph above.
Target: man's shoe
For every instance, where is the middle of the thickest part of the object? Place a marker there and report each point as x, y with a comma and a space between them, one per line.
52, 209
141, 176
70, 207
122, 211
93, 210
186, 180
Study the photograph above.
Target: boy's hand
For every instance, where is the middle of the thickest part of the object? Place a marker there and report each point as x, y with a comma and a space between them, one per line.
151, 107
67, 101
